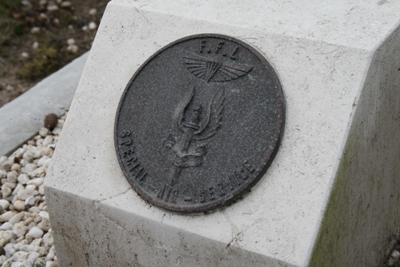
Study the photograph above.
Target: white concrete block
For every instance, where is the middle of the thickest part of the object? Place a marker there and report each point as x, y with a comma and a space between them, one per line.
330, 197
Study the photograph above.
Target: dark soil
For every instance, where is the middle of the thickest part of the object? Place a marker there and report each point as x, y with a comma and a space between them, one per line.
37, 37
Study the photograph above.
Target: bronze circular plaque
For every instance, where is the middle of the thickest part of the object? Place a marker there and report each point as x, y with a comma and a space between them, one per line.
199, 123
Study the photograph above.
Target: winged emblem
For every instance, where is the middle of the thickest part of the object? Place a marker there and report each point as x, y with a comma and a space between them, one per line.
194, 125
214, 71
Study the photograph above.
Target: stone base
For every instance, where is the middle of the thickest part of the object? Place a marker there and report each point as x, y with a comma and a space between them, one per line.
330, 197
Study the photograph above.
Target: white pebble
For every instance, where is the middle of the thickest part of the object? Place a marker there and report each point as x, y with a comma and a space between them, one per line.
71, 41
4, 203
36, 182
16, 167
25, 193
35, 232
35, 45
66, 4
43, 131
52, 7
9, 249
73, 49
24, 55
5, 237
51, 264
31, 201
44, 161
3, 174
92, 11
23, 178
5, 191
16, 218
6, 226
19, 205
41, 189
35, 30
39, 172
48, 140
19, 229
44, 215
92, 25
51, 253
6, 216
12, 177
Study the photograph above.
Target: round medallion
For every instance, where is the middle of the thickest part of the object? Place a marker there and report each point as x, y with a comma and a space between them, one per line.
199, 123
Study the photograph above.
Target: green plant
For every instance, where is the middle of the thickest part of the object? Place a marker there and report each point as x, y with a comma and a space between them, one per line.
45, 60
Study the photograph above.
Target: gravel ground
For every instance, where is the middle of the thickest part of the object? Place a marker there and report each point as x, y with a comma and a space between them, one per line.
25, 234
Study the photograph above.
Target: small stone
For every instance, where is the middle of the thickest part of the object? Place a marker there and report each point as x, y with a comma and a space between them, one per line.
52, 7
5, 191
39, 172
44, 161
41, 189
29, 168
31, 201
73, 48
35, 45
5, 237
66, 4
44, 225
6, 226
24, 55
16, 167
9, 249
16, 218
19, 205
51, 254
28, 156
18, 188
10, 185
32, 258
92, 25
6, 216
43, 132
4, 204
34, 209
85, 28
12, 177
35, 232
50, 121
19, 229
3, 174
92, 11
23, 178
44, 215
48, 239
51, 264
46, 151
71, 41
35, 30
6, 166
36, 182
40, 262
25, 193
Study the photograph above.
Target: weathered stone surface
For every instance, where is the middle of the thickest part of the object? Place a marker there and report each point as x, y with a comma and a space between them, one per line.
337, 66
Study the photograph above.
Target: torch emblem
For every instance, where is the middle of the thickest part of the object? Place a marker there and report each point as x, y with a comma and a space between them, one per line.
195, 124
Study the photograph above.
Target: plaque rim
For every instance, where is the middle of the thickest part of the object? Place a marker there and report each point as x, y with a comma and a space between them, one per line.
220, 203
